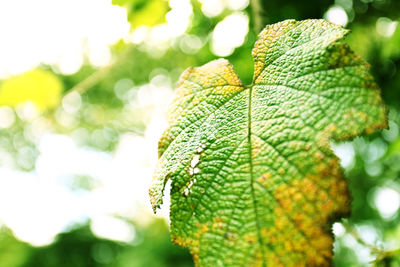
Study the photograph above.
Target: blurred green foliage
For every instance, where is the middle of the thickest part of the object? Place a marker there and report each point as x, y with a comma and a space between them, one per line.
139, 11
80, 248
110, 108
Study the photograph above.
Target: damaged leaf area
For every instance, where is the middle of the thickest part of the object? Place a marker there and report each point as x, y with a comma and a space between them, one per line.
254, 181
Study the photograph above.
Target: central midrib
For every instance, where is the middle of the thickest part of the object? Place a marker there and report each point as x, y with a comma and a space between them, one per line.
253, 195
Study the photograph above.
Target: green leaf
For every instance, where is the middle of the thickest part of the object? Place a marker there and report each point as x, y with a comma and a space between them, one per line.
143, 12
254, 181
39, 86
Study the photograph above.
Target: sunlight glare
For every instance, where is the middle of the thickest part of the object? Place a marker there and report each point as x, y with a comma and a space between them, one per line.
229, 34
112, 228
387, 201
386, 27
59, 33
7, 117
337, 15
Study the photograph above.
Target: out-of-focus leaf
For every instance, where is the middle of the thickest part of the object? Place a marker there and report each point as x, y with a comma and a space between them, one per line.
143, 12
254, 181
394, 148
9, 248
39, 86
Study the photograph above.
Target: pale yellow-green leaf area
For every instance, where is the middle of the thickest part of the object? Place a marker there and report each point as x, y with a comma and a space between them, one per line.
254, 181
139, 11
38, 86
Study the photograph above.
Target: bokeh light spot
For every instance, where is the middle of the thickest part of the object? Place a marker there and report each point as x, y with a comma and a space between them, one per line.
387, 201
337, 15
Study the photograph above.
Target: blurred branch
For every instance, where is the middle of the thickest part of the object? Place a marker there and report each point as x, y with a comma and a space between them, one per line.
385, 258
381, 254
353, 232
91, 80
257, 14
99, 74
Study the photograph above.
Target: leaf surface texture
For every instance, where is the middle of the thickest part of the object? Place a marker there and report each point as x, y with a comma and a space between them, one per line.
254, 181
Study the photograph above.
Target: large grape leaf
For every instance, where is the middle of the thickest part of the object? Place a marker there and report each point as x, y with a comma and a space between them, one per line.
254, 181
